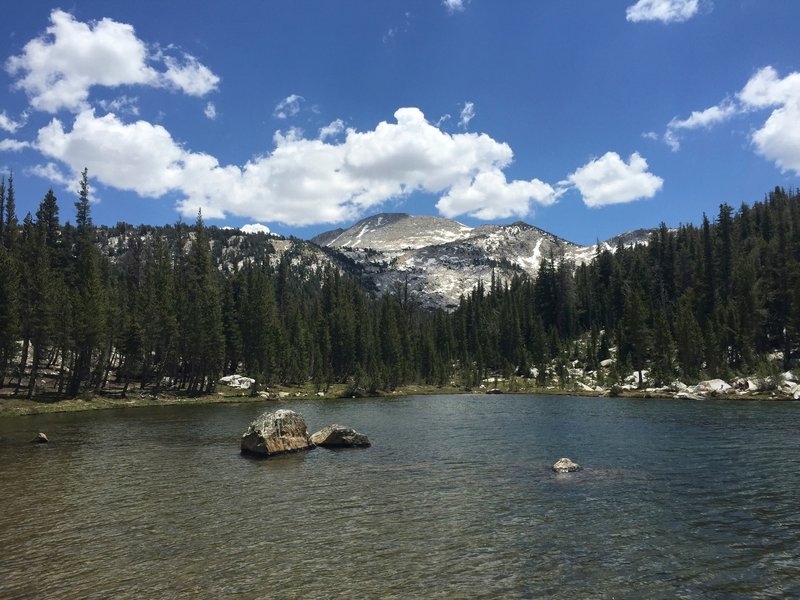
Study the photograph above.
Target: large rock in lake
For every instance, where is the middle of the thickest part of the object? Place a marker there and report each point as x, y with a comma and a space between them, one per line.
276, 433
565, 465
338, 436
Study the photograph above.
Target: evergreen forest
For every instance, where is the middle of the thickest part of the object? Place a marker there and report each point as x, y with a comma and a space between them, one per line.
167, 312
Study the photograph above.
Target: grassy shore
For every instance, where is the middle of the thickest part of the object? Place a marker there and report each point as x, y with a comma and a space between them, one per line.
11, 407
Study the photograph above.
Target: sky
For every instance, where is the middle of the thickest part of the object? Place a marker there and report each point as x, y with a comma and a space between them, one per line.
586, 119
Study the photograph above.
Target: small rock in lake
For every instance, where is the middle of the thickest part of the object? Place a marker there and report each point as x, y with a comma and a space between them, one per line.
566, 465
338, 436
40, 439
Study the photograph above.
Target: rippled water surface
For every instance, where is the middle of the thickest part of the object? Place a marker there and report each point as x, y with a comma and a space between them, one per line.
454, 499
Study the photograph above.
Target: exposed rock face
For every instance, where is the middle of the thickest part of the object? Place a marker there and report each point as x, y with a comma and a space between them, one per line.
238, 381
565, 465
338, 436
276, 433
437, 260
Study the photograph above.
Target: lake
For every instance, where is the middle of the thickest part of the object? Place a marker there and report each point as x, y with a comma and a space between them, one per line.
454, 499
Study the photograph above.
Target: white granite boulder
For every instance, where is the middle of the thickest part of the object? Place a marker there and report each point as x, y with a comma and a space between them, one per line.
566, 465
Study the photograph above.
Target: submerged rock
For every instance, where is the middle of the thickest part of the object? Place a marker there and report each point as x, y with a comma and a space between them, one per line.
40, 439
276, 433
338, 436
565, 465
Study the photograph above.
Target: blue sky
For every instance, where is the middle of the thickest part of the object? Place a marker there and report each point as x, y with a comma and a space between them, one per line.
584, 118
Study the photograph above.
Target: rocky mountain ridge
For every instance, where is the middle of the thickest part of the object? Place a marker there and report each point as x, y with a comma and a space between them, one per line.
440, 259
435, 259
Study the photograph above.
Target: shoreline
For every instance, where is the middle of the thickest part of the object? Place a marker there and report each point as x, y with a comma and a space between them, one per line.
21, 407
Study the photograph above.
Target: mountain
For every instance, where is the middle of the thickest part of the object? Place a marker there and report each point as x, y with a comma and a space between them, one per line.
440, 259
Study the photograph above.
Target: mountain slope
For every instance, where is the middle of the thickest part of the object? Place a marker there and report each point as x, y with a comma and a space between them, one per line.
440, 259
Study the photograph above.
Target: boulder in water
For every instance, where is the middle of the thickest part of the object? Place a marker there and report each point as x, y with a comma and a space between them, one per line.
40, 439
276, 433
566, 465
338, 436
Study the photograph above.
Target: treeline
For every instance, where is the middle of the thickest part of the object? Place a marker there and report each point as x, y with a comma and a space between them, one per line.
718, 300
171, 307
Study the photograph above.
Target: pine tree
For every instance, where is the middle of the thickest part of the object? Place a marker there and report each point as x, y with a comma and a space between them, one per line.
47, 217
10, 231
2, 209
206, 341
636, 336
9, 320
89, 303
36, 299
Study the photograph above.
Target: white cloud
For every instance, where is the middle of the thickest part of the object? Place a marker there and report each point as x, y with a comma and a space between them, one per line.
121, 105
705, 118
699, 119
489, 196
302, 181
139, 156
11, 125
288, 107
254, 228
52, 173
779, 138
12, 145
609, 180
58, 68
189, 76
444, 118
467, 114
766, 88
454, 5
210, 111
332, 129
672, 140
666, 11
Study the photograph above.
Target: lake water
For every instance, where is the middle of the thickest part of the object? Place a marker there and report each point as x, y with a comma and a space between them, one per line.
454, 499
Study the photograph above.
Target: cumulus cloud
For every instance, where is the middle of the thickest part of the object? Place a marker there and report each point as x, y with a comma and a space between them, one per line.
288, 107
454, 5
121, 105
699, 119
467, 114
12, 125
332, 129
302, 181
139, 156
254, 228
53, 174
189, 76
666, 11
609, 180
210, 111
489, 196
12, 145
58, 68
778, 138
